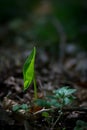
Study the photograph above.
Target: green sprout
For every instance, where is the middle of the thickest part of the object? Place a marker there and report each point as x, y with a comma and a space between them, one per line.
29, 72
60, 98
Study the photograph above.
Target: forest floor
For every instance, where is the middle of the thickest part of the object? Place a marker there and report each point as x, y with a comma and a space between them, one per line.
49, 76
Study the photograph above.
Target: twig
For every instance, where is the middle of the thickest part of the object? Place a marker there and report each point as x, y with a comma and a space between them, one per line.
42, 110
56, 121
63, 110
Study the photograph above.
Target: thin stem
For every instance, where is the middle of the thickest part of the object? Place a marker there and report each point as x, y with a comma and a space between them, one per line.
35, 87
60, 114
56, 120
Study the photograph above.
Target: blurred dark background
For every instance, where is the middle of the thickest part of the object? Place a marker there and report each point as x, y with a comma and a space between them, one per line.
45, 23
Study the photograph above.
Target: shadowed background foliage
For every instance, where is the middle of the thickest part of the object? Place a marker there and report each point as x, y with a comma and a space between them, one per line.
43, 22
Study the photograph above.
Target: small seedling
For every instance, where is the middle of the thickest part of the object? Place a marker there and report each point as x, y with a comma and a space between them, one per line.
60, 97
29, 72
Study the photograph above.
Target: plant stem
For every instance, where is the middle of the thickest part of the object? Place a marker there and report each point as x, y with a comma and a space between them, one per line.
60, 114
35, 87
56, 120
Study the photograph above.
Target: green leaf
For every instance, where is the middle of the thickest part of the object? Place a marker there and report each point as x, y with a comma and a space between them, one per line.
64, 91
24, 106
28, 69
43, 103
55, 103
45, 114
16, 107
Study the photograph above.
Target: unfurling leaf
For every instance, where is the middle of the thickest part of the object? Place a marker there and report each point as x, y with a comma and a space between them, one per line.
28, 69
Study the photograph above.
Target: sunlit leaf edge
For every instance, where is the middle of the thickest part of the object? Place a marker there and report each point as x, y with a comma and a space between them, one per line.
27, 63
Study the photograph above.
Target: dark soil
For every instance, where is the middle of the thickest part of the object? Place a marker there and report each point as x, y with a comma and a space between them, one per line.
50, 76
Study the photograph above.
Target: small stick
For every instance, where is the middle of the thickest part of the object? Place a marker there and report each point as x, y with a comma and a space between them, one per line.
64, 110
40, 111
